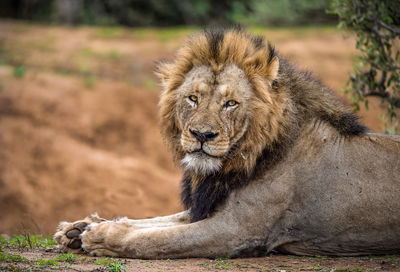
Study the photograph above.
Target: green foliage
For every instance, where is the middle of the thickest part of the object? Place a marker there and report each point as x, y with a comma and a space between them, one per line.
116, 267
167, 13
38, 10
113, 55
19, 71
223, 263
47, 262
67, 257
286, 12
376, 24
103, 261
12, 258
112, 265
89, 81
22, 242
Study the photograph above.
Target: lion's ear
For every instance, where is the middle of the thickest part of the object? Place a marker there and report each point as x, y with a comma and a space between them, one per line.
163, 71
273, 68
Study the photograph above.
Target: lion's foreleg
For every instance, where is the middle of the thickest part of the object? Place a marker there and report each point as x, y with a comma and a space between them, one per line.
68, 234
162, 221
207, 238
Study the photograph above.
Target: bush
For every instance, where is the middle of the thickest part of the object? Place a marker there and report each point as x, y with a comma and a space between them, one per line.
288, 13
376, 24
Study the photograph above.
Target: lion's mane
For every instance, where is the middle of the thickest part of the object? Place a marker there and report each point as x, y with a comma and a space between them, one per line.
287, 99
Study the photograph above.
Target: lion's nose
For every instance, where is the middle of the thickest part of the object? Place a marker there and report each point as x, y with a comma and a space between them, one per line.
204, 136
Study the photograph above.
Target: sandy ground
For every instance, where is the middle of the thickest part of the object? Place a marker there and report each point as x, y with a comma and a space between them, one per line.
273, 262
79, 128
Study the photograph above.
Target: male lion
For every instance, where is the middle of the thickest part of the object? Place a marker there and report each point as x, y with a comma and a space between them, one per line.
272, 161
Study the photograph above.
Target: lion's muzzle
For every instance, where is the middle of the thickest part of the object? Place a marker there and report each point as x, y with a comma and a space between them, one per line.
203, 137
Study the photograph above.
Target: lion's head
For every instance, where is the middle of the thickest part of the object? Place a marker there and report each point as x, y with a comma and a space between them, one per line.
218, 109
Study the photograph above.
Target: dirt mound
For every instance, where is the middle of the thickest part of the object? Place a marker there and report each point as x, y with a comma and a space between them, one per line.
68, 151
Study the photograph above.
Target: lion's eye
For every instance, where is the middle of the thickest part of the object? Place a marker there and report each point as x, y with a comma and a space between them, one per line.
230, 103
193, 98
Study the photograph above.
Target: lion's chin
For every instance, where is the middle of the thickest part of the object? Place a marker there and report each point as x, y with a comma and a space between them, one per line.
201, 163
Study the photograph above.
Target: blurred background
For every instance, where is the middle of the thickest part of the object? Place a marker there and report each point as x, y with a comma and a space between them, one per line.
169, 12
78, 97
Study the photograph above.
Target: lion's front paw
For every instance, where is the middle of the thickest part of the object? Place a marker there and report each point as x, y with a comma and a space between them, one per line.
68, 235
104, 238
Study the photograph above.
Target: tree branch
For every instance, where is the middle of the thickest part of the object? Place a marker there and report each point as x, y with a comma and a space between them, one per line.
393, 30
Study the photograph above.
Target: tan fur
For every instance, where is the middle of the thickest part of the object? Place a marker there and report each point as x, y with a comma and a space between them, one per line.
306, 178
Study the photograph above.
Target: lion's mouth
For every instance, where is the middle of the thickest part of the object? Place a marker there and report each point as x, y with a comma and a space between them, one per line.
201, 152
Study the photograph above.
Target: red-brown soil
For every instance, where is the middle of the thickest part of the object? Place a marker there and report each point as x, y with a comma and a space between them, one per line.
79, 129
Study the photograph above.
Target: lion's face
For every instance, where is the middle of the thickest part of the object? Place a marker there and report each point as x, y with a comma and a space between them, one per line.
218, 109
213, 115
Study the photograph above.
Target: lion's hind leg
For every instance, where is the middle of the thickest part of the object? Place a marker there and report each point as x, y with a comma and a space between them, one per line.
68, 234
